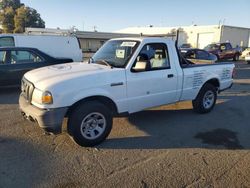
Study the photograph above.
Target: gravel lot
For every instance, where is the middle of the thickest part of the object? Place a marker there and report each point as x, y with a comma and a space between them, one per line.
169, 146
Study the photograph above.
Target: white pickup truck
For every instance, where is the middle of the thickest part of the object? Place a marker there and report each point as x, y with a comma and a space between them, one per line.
123, 77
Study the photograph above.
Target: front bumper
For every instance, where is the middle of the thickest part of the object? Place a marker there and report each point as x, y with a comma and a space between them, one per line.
247, 58
49, 119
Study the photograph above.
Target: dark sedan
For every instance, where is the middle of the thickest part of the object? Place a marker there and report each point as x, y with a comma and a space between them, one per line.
199, 56
15, 61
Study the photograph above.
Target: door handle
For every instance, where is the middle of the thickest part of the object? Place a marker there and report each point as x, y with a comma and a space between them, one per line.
170, 75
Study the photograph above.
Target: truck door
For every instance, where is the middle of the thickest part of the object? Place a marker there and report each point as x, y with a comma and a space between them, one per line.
229, 51
223, 51
4, 68
152, 80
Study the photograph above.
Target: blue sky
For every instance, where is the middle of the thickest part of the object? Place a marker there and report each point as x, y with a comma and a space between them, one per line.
111, 15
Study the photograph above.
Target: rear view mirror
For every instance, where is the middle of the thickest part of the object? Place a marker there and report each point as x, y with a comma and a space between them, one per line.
140, 66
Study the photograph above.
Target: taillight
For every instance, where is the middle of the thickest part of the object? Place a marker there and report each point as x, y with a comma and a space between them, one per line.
234, 73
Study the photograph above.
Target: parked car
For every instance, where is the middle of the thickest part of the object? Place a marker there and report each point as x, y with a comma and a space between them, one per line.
55, 46
15, 61
123, 77
199, 56
247, 58
245, 52
185, 46
224, 51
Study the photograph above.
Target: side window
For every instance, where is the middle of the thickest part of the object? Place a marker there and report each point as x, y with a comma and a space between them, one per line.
155, 55
228, 46
21, 56
201, 54
2, 57
7, 41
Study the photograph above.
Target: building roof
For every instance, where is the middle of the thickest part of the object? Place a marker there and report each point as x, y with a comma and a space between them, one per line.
166, 30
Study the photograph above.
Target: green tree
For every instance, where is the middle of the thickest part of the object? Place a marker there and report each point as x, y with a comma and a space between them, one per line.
15, 16
15, 4
7, 20
20, 19
34, 19
27, 17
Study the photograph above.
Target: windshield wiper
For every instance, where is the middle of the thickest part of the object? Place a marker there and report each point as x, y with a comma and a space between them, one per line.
103, 62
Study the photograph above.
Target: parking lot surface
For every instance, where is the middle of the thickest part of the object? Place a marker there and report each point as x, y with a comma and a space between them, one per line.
168, 146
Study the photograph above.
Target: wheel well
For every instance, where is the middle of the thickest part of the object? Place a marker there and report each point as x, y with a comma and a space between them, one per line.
104, 100
215, 82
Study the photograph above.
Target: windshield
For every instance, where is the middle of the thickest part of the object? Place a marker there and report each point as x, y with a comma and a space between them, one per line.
116, 52
212, 47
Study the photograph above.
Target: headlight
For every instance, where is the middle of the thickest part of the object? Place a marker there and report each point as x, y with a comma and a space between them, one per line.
41, 97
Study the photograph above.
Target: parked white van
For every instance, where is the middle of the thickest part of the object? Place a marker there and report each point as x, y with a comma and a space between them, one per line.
56, 46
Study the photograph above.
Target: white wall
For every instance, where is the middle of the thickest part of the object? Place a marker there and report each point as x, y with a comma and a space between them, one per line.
235, 35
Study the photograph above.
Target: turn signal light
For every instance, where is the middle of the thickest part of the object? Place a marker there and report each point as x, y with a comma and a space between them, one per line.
47, 98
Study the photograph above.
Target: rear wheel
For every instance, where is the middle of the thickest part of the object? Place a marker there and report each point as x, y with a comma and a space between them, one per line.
90, 123
236, 57
206, 99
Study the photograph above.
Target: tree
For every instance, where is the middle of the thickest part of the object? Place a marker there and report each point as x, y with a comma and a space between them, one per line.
20, 19
15, 4
34, 19
27, 17
15, 16
7, 20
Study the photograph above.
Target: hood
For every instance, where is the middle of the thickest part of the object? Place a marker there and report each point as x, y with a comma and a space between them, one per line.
57, 73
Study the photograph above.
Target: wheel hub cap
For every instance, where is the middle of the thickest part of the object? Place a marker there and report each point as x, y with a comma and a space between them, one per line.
208, 99
93, 125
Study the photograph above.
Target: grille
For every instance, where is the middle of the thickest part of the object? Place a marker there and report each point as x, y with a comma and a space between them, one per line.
27, 89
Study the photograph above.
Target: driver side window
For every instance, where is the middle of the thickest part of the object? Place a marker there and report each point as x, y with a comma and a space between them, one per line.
152, 57
3, 57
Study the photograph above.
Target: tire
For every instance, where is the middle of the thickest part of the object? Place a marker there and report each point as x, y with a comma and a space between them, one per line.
90, 123
236, 57
218, 57
205, 99
248, 62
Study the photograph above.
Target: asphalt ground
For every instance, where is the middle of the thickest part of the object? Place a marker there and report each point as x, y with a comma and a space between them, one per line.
168, 146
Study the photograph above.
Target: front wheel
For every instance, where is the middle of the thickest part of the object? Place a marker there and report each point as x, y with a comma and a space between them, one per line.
206, 99
90, 123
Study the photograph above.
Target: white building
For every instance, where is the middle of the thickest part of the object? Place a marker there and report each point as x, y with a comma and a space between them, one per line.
199, 36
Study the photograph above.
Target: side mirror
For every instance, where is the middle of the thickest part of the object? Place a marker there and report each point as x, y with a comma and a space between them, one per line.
222, 48
140, 66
